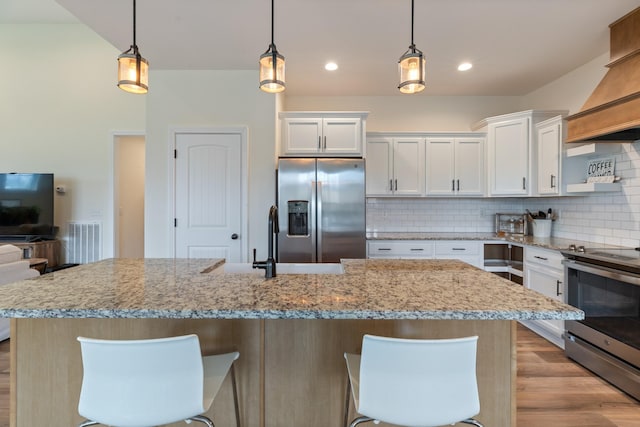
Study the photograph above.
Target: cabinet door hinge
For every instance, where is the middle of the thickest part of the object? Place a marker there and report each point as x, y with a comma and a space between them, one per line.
175, 222
175, 154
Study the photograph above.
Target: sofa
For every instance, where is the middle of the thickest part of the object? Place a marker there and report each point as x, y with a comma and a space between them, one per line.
12, 269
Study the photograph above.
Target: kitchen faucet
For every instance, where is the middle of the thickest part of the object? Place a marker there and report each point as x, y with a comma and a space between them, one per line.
270, 264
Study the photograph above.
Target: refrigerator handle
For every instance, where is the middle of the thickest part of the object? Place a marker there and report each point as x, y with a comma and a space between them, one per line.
313, 215
318, 223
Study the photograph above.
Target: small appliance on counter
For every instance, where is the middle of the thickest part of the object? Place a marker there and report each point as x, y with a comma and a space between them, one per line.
511, 224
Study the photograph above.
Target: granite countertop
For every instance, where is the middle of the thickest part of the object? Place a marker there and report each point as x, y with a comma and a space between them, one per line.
193, 288
554, 243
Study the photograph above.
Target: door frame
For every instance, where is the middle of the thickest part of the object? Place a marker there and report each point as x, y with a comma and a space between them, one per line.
111, 236
244, 185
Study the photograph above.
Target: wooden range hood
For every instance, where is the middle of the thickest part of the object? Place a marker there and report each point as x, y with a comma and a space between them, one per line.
612, 112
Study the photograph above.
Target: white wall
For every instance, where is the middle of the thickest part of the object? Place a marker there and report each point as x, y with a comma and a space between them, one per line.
59, 106
190, 99
569, 91
412, 113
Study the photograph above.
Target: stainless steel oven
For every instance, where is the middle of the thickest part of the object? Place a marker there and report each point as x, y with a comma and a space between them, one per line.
605, 284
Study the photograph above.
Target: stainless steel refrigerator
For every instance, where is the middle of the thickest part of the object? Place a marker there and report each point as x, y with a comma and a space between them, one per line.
321, 209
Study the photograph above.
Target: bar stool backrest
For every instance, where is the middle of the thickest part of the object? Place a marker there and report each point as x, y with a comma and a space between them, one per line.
418, 382
133, 383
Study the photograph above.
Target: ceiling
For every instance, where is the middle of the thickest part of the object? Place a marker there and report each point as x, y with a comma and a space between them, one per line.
516, 46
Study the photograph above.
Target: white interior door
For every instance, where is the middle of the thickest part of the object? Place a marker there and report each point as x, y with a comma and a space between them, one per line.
208, 195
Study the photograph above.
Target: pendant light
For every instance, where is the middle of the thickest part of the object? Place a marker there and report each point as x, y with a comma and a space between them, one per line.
133, 69
272, 66
411, 66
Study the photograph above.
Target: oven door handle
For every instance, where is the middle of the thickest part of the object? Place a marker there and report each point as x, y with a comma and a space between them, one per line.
603, 271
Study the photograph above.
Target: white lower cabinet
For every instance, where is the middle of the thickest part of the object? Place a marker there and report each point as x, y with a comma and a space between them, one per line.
463, 250
544, 273
400, 249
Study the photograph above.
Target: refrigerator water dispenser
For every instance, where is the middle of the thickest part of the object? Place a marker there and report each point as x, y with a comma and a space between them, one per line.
298, 213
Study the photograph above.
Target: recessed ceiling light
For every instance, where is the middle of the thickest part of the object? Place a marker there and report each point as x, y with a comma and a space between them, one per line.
330, 66
465, 66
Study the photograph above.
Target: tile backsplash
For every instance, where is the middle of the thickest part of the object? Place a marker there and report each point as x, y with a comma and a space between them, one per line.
605, 218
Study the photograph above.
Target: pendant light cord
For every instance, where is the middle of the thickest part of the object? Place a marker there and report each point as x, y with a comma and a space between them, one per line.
272, 21
412, 1
135, 46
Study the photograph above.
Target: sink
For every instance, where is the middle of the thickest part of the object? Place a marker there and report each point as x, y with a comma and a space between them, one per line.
281, 268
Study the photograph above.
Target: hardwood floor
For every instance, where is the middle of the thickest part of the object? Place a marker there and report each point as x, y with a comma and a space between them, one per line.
552, 391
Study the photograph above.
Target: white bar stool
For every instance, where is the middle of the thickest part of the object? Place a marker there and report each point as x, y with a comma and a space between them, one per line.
141, 383
410, 382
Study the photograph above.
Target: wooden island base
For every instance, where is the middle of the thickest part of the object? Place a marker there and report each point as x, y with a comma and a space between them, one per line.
291, 372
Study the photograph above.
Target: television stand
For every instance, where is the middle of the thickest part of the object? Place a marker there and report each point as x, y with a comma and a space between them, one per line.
49, 249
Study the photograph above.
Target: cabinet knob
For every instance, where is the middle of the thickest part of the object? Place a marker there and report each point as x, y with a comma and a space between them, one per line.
234, 236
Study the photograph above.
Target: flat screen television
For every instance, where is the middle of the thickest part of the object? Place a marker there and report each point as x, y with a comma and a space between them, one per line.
26, 206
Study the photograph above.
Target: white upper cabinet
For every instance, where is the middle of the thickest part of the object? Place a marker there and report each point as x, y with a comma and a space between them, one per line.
512, 152
408, 168
455, 166
509, 157
394, 166
379, 167
550, 139
322, 133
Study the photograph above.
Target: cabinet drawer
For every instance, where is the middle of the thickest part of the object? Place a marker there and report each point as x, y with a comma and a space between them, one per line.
405, 248
457, 247
546, 257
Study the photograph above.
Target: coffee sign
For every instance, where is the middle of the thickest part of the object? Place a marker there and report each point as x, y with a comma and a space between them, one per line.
601, 170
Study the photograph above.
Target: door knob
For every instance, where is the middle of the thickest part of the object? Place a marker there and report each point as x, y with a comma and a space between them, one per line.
234, 236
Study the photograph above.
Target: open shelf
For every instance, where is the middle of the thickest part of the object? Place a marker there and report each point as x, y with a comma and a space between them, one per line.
590, 149
580, 155
587, 187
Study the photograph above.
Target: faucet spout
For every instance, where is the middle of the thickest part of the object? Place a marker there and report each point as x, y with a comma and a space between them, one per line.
269, 265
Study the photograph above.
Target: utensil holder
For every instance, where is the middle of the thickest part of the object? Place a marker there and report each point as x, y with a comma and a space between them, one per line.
541, 227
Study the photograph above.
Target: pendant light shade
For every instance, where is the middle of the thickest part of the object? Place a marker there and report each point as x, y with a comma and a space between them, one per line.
133, 73
412, 66
133, 69
272, 66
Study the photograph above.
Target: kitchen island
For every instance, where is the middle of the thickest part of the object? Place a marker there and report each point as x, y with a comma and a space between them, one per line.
291, 330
